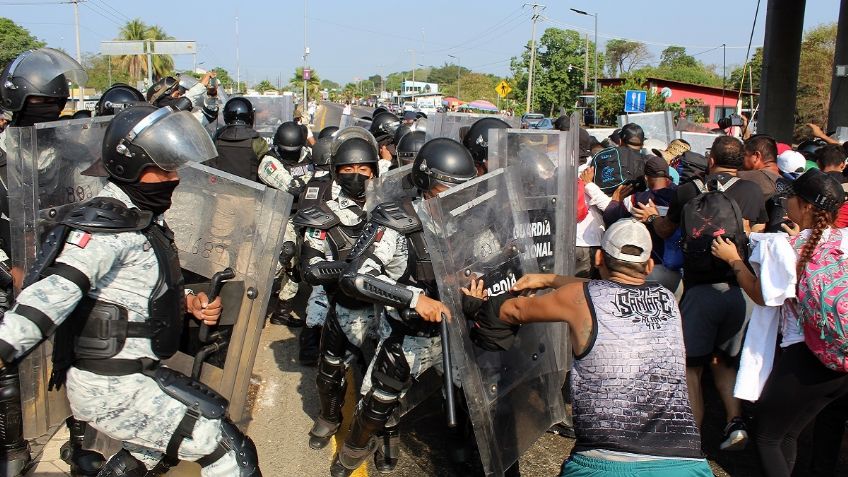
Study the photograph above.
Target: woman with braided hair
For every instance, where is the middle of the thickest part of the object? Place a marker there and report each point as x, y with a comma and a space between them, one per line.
800, 385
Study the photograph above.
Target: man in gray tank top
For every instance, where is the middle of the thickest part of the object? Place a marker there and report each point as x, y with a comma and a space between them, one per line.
631, 405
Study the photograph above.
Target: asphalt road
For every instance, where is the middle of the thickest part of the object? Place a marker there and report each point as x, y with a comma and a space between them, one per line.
329, 114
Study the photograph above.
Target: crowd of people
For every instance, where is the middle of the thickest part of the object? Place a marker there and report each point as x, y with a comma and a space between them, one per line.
730, 261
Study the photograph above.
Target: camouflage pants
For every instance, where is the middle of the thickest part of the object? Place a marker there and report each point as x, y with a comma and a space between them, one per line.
359, 325
421, 354
316, 307
134, 410
288, 288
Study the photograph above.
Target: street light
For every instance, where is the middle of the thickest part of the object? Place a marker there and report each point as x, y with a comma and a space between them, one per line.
458, 71
581, 12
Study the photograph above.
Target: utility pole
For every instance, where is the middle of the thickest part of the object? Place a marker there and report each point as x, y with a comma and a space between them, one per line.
535, 18
586, 67
413, 74
458, 72
238, 61
581, 12
79, 54
305, 56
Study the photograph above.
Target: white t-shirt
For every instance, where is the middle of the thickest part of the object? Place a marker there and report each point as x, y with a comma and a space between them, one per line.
346, 110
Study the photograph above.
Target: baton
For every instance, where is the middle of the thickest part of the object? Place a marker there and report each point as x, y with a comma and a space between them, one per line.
450, 400
218, 280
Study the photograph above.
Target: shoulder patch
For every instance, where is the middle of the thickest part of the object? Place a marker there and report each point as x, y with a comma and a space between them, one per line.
79, 238
270, 167
317, 234
311, 193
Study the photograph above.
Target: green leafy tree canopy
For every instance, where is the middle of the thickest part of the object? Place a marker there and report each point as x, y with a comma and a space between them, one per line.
14, 40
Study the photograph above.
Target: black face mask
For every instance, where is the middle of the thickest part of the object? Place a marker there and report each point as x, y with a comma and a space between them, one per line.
152, 196
352, 184
38, 113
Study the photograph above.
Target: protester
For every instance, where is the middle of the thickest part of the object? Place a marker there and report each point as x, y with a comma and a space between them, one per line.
590, 229
791, 164
715, 311
620, 319
831, 160
760, 166
809, 374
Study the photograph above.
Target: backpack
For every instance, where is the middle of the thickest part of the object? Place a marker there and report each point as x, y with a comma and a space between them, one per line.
672, 257
691, 165
823, 301
709, 215
615, 165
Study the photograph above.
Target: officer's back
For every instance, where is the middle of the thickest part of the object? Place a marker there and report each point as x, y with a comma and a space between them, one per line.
239, 146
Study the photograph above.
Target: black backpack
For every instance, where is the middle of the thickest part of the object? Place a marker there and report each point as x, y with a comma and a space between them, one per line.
691, 165
709, 215
616, 165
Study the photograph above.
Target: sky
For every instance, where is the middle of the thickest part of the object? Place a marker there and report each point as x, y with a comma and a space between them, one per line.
351, 39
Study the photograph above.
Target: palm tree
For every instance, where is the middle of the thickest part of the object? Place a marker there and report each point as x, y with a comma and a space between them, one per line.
136, 65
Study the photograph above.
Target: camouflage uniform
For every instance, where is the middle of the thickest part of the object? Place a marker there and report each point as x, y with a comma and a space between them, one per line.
122, 269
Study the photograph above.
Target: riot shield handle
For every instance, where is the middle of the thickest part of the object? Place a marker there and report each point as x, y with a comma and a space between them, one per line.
450, 400
218, 280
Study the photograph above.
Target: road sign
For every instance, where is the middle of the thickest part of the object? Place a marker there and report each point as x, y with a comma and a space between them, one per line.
634, 101
503, 89
307, 74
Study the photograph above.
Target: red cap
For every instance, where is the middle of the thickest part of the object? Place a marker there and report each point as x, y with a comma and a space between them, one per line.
782, 147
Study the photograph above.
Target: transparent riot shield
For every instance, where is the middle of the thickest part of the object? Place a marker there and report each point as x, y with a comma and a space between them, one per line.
271, 111
658, 125
348, 120
513, 396
699, 142
393, 185
221, 220
547, 169
600, 133
44, 165
454, 125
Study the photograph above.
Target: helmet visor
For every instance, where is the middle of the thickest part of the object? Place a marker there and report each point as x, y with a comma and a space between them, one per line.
173, 139
187, 81
44, 64
352, 132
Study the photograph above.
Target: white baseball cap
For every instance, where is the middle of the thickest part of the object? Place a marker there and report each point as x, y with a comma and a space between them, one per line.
791, 162
627, 232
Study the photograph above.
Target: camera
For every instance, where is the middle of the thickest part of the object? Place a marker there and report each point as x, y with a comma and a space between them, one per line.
730, 121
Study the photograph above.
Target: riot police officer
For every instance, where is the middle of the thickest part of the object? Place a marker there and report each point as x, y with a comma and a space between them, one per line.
477, 141
329, 231
117, 97
390, 266
408, 147
112, 265
287, 167
383, 127
239, 146
203, 102
33, 89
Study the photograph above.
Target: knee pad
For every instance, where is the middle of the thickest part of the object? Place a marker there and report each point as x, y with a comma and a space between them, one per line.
390, 373
334, 342
123, 464
234, 440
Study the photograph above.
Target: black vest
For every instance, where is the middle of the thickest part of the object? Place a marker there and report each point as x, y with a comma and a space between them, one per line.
235, 152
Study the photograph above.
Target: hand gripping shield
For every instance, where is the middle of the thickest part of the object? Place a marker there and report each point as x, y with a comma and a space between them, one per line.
513, 396
221, 220
271, 111
545, 162
44, 168
454, 125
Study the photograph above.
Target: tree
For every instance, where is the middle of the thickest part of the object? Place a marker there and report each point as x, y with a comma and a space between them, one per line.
611, 100
624, 55
555, 83
329, 85
676, 65
97, 68
676, 57
815, 75
136, 65
313, 85
264, 86
694, 109
14, 40
755, 68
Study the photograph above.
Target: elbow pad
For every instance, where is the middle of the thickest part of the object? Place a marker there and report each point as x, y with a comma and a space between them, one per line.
324, 273
373, 290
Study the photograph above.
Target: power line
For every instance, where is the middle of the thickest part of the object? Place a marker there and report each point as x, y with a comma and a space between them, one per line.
515, 14
110, 7
27, 4
88, 5
105, 13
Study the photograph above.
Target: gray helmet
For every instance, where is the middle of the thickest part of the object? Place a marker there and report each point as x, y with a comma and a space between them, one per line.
409, 145
442, 160
321, 151
144, 136
119, 96
384, 125
43, 72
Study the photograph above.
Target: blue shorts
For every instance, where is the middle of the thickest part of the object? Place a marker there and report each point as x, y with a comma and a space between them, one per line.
582, 466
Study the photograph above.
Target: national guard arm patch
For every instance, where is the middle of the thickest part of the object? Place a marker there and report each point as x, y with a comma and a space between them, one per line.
79, 238
270, 168
317, 233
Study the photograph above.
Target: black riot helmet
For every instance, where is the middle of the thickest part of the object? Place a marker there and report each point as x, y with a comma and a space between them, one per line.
239, 110
477, 137
380, 109
809, 147
401, 131
162, 89
44, 72
409, 145
354, 145
322, 151
442, 160
328, 131
119, 96
144, 136
289, 140
383, 126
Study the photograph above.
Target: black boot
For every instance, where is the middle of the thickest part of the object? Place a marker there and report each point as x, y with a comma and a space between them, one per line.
309, 340
283, 315
14, 449
348, 459
388, 450
83, 462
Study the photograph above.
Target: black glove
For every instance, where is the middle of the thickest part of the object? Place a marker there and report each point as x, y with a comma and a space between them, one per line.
489, 332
